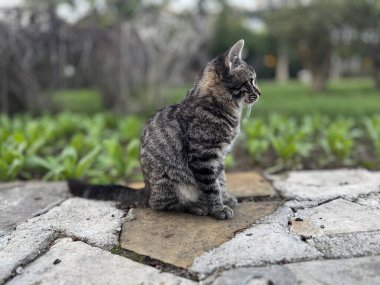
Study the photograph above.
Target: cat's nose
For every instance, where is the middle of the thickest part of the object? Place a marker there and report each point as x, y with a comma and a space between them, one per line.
257, 90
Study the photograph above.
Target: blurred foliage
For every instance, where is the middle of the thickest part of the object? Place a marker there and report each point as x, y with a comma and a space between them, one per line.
105, 148
101, 148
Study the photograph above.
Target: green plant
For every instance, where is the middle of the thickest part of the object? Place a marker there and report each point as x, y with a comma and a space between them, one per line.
338, 140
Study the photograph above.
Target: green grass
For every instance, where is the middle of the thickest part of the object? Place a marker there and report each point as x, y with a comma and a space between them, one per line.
346, 97
78, 100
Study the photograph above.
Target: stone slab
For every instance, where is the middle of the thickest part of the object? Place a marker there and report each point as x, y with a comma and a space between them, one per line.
249, 184
371, 201
79, 263
324, 185
177, 238
356, 271
336, 217
240, 184
262, 244
348, 245
272, 274
97, 223
20, 201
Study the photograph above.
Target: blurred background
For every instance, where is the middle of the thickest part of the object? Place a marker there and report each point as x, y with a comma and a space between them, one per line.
78, 78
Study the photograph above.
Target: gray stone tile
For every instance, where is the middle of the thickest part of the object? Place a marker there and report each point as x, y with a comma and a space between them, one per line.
356, 271
69, 262
98, 223
272, 274
259, 245
348, 245
324, 185
336, 217
371, 201
20, 201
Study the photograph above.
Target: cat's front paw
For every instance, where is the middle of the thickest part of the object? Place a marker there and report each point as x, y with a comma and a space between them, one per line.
230, 200
223, 213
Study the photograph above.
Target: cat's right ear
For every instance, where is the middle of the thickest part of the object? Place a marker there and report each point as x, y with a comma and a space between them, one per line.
233, 57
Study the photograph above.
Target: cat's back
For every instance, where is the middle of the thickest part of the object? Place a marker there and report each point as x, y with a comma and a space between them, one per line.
163, 137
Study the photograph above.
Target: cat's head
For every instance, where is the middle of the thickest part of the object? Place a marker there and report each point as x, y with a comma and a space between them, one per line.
230, 78
238, 76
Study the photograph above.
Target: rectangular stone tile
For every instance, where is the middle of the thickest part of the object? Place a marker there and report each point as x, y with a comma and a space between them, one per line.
355, 271
336, 217
259, 245
69, 262
20, 201
240, 184
323, 185
177, 238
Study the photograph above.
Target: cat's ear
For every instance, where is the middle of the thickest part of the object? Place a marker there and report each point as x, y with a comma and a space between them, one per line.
233, 57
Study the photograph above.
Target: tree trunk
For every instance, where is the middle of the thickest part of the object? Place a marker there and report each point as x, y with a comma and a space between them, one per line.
318, 81
282, 67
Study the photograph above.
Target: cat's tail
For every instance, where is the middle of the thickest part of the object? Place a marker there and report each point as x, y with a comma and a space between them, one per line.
125, 195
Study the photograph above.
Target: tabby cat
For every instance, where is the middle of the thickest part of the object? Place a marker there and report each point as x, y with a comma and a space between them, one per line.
183, 146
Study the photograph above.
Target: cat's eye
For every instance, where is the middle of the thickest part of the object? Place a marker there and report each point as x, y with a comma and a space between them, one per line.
251, 81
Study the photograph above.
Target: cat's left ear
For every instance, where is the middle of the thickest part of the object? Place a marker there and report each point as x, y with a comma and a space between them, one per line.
233, 58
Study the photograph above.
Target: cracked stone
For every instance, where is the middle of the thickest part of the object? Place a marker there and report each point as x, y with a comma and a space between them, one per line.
356, 271
262, 244
20, 201
83, 264
338, 216
241, 184
178, 238
324, 185
69, 219
348, 245
272, 274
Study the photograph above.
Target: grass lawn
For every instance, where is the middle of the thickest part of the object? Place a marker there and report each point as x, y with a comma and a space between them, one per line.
78, 100
347, 97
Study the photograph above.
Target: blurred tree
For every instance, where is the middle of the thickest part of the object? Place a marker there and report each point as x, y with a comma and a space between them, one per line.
362, 22
306, 26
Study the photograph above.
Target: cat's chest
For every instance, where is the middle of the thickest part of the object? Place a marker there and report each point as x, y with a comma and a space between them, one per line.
227, 146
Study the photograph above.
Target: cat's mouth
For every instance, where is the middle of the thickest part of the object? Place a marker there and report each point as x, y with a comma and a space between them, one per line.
253, 97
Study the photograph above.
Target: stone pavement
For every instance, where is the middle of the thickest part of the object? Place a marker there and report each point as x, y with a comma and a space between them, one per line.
305, 227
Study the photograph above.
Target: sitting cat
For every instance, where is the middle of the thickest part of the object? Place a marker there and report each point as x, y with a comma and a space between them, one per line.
183, 146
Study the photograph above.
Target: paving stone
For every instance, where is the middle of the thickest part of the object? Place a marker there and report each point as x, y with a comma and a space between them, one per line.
356, 271
20, 201
336, 217
259, 245
272, 274
371, 201
98, 223
240, 184
80, 263
247, 184
178, 238
348, 245
281, 216
324, 185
